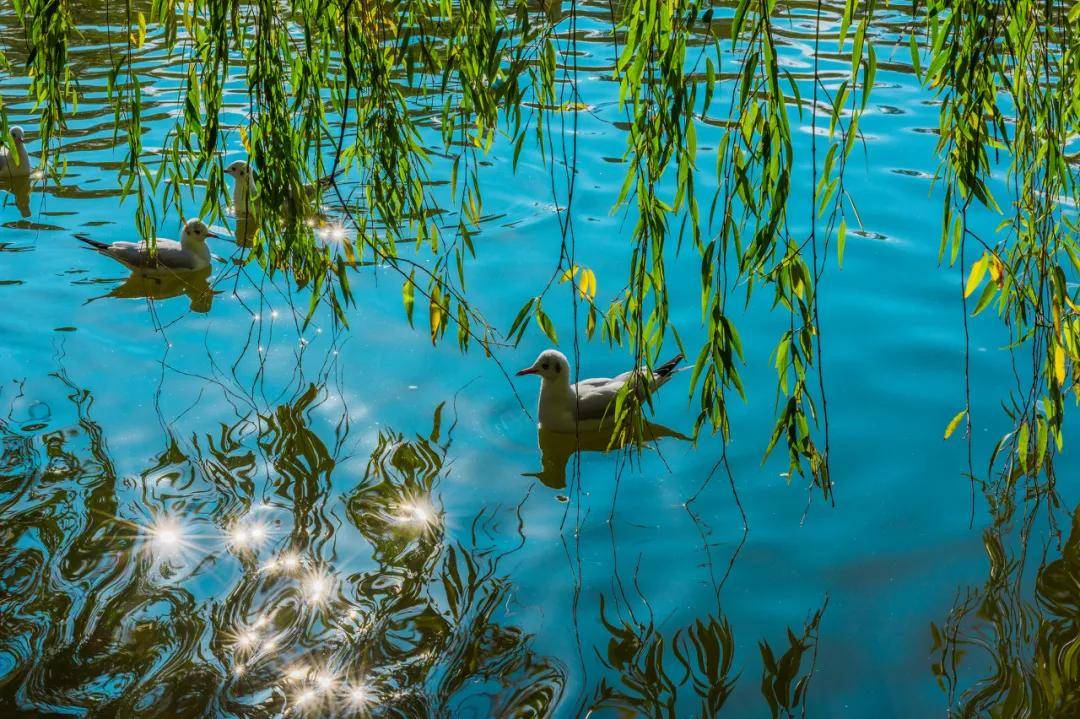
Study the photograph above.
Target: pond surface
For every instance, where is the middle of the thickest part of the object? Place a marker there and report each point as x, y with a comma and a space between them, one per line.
208, 508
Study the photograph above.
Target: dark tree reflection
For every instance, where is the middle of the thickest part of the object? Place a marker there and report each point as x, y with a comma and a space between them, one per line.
209, 584
248, 570
1011, 648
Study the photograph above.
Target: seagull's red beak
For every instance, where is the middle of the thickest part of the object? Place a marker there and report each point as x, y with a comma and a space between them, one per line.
211, 234
527, 370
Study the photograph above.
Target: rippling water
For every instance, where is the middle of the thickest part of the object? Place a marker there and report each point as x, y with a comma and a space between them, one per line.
209, 509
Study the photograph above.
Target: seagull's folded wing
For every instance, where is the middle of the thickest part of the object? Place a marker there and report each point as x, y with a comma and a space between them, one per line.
595, 396
169, 253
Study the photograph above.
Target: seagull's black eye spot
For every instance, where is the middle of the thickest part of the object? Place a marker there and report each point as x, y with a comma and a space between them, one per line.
544, 366
558, 368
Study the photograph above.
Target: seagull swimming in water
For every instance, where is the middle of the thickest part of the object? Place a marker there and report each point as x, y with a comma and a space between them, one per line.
190, 253
8, 168
244, 187
563, 407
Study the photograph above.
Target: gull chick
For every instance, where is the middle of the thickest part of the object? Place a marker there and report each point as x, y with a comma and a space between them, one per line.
244, 187
190, 253
564, 406
8, 167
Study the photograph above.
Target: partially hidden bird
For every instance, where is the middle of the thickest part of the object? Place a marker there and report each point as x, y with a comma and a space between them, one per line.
11, 167
566, 407
244, 188
191, 253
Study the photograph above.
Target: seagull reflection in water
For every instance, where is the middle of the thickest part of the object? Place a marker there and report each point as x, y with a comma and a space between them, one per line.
556, 448
19, 188
194, 285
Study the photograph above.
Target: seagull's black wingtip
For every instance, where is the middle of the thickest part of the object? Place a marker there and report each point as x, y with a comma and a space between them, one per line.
668, 367
93, 244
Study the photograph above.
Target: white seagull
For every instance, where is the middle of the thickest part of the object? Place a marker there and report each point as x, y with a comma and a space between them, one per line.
565, 407
8, 168
190, 253
244, 187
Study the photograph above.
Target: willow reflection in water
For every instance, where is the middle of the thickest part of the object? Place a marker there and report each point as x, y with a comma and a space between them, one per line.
1012, 646
180, 593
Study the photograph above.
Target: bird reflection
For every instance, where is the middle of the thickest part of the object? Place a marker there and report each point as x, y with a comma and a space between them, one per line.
194, 284
247, 226
556, 448
19, 188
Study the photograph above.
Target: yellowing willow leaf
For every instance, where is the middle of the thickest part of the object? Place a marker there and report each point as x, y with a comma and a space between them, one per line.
954, 423
997, 271
1022, 445
1059, 364
408, 293
435, 317
978, 271
587, 284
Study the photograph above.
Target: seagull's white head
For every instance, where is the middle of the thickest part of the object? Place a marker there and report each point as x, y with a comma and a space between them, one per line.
17, 133
551, 364
239, 170
196, 231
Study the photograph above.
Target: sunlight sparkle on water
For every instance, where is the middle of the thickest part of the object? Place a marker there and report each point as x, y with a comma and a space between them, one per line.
324, 680
316, 587
251, 535
305, 697
246, 640
360, 695
333, 233
287, 562
166, 535
418, 513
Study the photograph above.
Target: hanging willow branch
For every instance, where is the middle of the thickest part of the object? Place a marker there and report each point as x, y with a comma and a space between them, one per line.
402, 93
1007, 75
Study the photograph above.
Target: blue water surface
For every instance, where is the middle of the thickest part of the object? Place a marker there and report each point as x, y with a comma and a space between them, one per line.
142, 437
